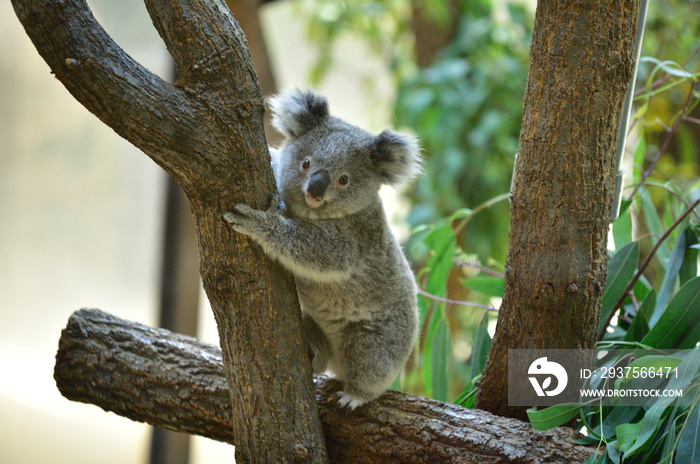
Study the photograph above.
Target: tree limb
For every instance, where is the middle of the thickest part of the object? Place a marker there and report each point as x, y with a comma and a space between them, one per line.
213, 41
130, 99
177, 382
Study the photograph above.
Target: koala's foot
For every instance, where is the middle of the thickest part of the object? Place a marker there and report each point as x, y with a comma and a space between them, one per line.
349, 400
369, 360
353, 397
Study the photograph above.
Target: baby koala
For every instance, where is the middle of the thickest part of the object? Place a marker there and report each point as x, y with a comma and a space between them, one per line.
356, 290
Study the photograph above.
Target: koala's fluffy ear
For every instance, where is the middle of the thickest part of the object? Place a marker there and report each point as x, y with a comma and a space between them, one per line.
296, 112
396, 157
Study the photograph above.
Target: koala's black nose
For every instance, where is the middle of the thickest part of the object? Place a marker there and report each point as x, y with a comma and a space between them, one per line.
318, 183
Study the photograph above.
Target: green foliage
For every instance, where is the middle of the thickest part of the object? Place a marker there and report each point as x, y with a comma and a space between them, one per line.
440, 355
486, 285
466, 109
434, 371
384, 26
663, 88
678, 326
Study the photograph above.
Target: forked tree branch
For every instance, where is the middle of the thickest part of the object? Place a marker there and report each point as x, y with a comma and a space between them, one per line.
180, 126
206, 131
177, 382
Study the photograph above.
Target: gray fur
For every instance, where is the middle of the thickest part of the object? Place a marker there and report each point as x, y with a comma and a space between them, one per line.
296, 113
356, 289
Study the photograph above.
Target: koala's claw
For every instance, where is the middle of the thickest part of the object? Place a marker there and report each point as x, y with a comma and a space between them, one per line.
241, 210
230, 217
242, 218
244, 210
238, 216
349, 401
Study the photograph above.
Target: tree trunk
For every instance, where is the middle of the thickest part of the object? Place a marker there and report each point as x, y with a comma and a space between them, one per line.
177, 382
206, 131
581, 62
247, 12
432, 34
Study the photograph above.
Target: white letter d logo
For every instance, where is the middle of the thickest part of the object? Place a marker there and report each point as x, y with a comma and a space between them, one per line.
551, 369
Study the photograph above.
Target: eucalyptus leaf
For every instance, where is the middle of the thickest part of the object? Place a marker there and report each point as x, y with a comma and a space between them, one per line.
440, 358
688, 449
622, 228
621, 268
626, 435
466, 398
678, 327
689, 267
670, 277
648, 426
675, 69
642, 288
482, 345
651, 422
487, 285
654, 225
668, 437
441, 242
613, 453
639, 155
617, 416
553, 416
426, 355
640, 324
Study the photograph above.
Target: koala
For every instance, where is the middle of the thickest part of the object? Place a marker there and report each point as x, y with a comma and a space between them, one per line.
356, 290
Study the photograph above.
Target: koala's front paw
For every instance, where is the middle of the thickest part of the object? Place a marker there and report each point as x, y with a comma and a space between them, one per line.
243, 218
251, 221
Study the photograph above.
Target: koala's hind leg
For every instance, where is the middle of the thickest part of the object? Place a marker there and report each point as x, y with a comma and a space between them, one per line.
371, 358
319, 347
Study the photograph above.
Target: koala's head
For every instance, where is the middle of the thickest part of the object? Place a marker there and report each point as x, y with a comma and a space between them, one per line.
327, 168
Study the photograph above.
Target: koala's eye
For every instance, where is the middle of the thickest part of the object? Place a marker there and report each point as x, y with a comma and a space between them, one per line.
306, 164
343, 180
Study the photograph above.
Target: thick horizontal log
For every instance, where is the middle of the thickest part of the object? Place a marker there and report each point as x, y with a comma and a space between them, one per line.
178, 382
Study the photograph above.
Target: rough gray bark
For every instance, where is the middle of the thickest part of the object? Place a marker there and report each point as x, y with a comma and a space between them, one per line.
177, 382
206, 131
581, 62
